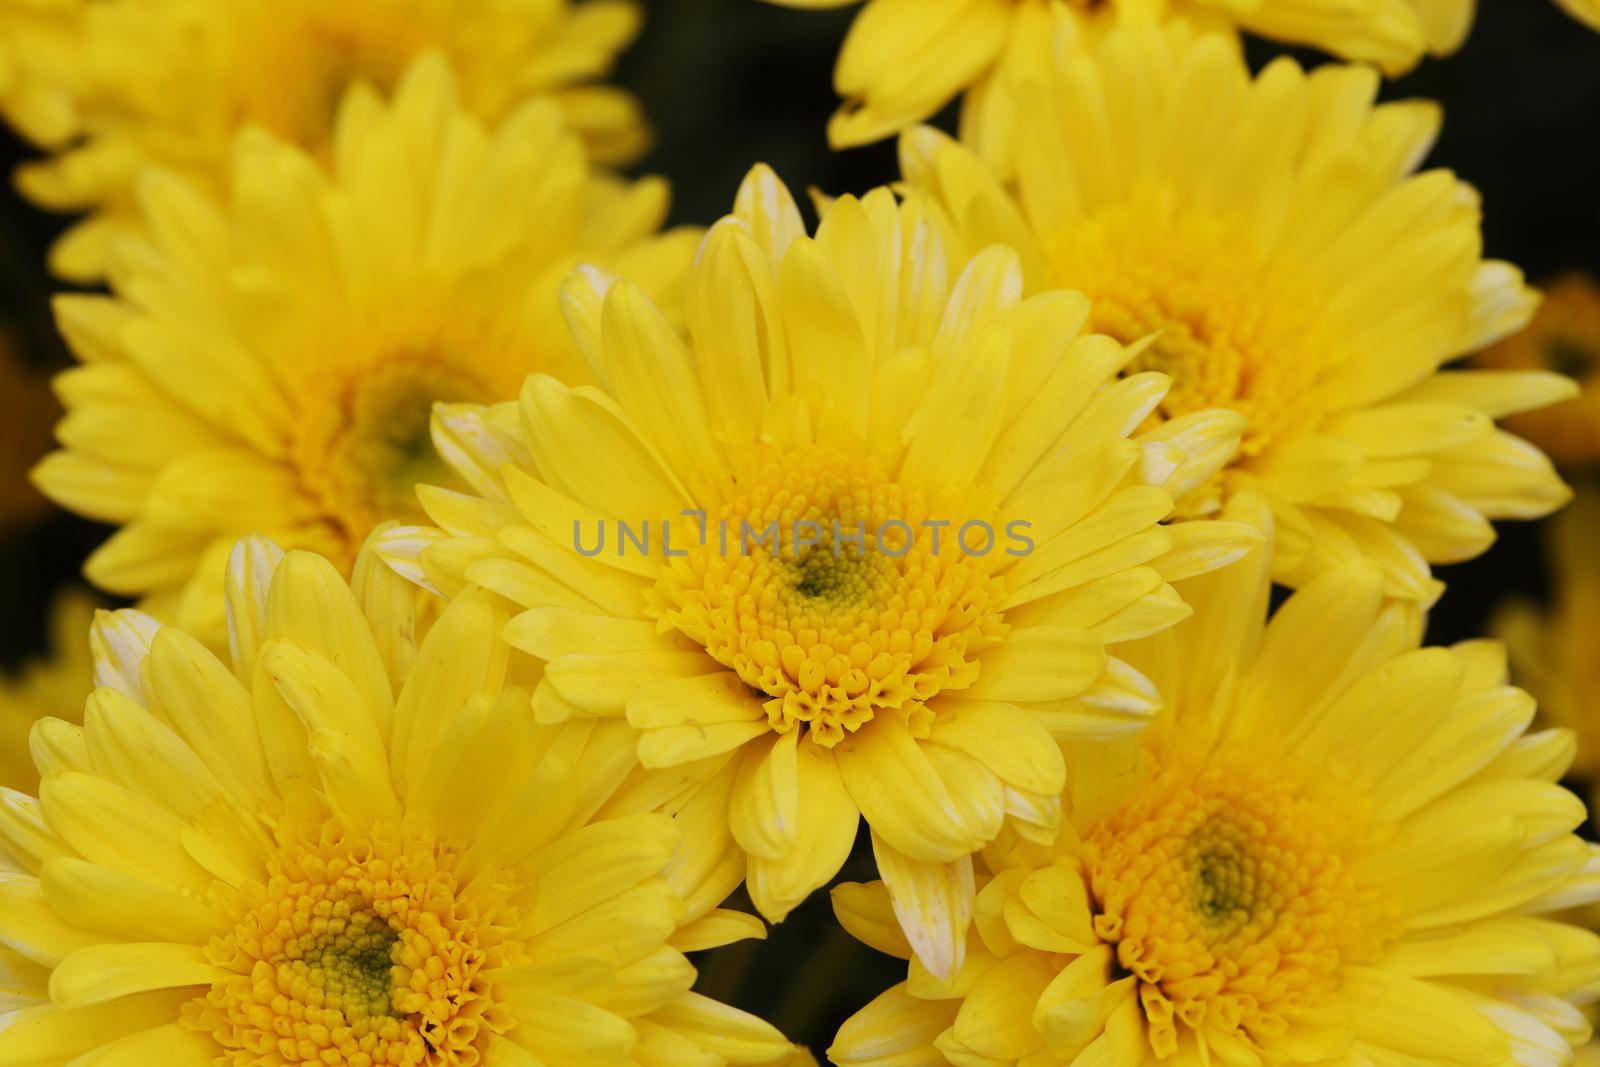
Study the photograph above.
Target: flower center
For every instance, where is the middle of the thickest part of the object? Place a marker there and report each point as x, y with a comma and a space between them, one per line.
362, 450
1232, 332
1230, 896
839, 593
358, 949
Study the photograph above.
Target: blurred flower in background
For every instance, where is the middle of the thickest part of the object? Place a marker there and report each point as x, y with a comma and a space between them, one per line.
1555, 649
1273, 237
40, 68
55, 684
1564, 336
904, 60
170, 82
269, 361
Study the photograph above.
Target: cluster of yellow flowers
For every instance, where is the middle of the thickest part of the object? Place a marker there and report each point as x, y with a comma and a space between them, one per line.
516, 578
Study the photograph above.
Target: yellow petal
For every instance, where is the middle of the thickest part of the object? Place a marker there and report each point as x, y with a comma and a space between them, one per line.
1072, 1011
763, 812
342, 733
826, 820
311, 604
996, 1018
208, 707
249, 577
901, 795
49, 1036
600, 861
933, 902
1039, 663
99, 898
120, 641
1417, 1018
737, 1036
34, 929
894, 1030
649, 373
562, 1030
824, 337
717, 928
866, 910
174, 1045
100, 973
952, 433
130, 746
1005, 739
461, 657
115, 827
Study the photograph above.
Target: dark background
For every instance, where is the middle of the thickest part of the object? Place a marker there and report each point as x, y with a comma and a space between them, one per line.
731, 82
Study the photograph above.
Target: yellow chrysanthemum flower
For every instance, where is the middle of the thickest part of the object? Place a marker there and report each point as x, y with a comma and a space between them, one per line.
54, 685
1554, 650
1270, 233
170, 83
1564, 336
39, 68
904, 60
333, 853
1333, 846
892, 519
268, 364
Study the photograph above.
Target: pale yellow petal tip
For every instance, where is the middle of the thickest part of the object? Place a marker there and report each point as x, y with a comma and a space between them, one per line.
919, 149
252, 564
401, 549
120, 642
587, 283
429, 82
1557, 387
768, 209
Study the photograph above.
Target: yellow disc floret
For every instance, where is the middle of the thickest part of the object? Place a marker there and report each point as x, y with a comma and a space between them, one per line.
1229, 895
359, 949
1231, 330
362, 443
842, 593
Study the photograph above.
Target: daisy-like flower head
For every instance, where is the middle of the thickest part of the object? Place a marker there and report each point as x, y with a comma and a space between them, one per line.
53, 685
269, 363
1272, 233
859, 547
904, 60
1333, 846
1564, 336
342, 848
170, 83
1552, 647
